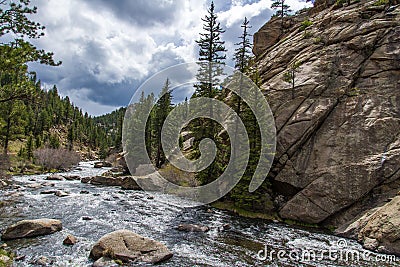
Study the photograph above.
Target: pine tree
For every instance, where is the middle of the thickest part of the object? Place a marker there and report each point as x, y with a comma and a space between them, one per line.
282, 10
162, 109
212, 50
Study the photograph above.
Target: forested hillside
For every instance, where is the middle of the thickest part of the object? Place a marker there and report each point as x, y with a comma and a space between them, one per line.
31, 117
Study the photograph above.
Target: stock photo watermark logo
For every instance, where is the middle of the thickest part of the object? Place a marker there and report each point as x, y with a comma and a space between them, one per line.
181, 79
339, 252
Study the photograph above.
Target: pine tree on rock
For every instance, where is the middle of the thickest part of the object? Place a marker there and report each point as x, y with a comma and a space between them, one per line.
282, 10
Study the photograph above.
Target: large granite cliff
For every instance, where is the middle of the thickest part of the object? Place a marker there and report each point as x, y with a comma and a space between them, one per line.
338, 130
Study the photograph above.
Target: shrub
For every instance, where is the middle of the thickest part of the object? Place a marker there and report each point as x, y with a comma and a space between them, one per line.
177, 176
51, 158
381, 2
305, 24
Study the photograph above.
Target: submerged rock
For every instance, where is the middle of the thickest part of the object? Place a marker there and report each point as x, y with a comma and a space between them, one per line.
43, 261
61, 194
54, 177
31, 228
193, 228
105, 262
127, 246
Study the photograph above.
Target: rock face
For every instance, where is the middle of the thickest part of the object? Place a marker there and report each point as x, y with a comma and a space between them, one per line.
128, 246
31, 228
338, 129
379, 229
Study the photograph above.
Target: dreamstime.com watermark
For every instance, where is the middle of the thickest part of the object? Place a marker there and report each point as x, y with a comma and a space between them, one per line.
339, 253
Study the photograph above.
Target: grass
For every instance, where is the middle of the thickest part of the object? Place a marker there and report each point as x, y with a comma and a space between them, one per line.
229, 206
381, 2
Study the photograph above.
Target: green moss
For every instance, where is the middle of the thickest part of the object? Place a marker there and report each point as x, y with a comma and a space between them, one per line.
381, 2
229, 206
8, 254
354, 92
119, 262
305, 24
302, 224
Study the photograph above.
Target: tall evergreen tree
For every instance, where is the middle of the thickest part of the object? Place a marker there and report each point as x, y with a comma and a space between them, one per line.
212, 50
282, 10
162, 109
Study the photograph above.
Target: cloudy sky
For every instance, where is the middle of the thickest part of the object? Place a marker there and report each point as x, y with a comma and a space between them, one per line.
109, 47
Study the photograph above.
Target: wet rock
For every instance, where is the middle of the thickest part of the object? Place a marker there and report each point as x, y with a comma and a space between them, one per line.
86, 218
70, 240
48, 192
78, 169
107, 181
61, 194
150, 197
72, 177
54, 177
43, 261
31, 228
84, 192
85, 180
102, 164
105, 262
193, 228
34, 185
129, 183
3, 184
226, 226
127, 246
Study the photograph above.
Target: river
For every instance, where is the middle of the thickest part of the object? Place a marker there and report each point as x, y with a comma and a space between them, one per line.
110, 208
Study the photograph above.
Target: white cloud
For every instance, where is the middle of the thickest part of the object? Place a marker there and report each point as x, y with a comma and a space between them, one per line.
106, 45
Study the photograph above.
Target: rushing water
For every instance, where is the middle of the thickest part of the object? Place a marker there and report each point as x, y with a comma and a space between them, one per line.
112, 209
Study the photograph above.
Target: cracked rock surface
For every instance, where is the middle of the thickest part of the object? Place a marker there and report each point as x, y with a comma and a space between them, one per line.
338, 130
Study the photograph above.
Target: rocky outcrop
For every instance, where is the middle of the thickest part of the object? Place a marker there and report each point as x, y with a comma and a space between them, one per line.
378, 229
338, 128
127, 246
31, 228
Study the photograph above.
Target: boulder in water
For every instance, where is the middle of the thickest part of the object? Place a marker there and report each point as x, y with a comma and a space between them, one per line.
127, 246
85, 180
54, 177
101, 164
70, 240
31, 228
105, 180
129, 183
61, 194
193, 228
